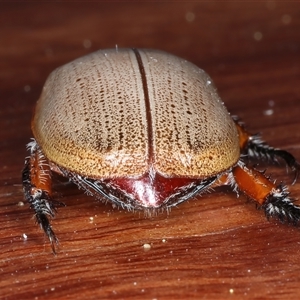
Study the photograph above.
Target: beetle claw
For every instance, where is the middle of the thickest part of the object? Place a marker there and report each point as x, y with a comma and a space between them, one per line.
46, 227
290, 160
44, 207
296, 169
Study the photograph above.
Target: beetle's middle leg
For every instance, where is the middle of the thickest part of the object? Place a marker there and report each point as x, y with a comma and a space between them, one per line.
273, 199
256, 148
37, 181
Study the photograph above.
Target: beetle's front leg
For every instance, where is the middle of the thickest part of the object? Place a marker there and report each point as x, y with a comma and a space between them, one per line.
274, 200
37, 182
256, 148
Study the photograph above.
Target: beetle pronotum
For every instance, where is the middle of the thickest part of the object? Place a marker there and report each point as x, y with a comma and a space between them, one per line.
145, 130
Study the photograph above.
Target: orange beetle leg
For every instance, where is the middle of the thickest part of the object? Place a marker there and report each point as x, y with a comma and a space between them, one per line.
254, 147
253, 183
273, 199
37, 181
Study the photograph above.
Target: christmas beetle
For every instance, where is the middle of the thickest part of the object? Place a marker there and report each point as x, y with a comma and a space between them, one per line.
145, 130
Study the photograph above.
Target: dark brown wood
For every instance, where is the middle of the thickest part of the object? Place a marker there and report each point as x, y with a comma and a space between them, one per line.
216, 246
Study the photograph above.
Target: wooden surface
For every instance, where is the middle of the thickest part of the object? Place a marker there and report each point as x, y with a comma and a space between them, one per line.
216, 246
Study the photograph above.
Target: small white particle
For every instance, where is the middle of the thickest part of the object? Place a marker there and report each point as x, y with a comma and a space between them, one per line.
257, 35
27, 88
190, 16
147, 247
164, 240
87, 44
271, 103
21, 203
286, 19
25, 236
268, 112
91, 219
231, 291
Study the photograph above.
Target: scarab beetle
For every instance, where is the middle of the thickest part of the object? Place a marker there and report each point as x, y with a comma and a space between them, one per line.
145, 130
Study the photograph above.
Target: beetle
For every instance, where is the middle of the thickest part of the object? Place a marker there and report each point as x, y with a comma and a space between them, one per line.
145, 130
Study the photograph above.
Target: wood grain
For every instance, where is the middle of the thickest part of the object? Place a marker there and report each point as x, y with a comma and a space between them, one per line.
215, 246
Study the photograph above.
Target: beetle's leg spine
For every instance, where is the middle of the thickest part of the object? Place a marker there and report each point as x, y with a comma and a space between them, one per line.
256, 148
38, 198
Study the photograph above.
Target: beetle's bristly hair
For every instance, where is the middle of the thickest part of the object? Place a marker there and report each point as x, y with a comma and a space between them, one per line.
43, 206
279, 205
258, 149
32, 145
40, 201
99, 190
104, 191
232, 183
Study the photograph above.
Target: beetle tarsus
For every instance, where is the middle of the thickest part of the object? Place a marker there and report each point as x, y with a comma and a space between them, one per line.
43, 207
40, 200
258, 149
44, 223
279, 205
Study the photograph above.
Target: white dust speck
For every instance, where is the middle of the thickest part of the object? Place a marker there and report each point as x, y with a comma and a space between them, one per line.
190, 16
271, 103
268, 112
147, 247
27, 88
257, 35
286, 19
87, 44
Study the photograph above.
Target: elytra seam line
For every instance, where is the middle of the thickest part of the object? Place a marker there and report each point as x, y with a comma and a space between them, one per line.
147, 105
